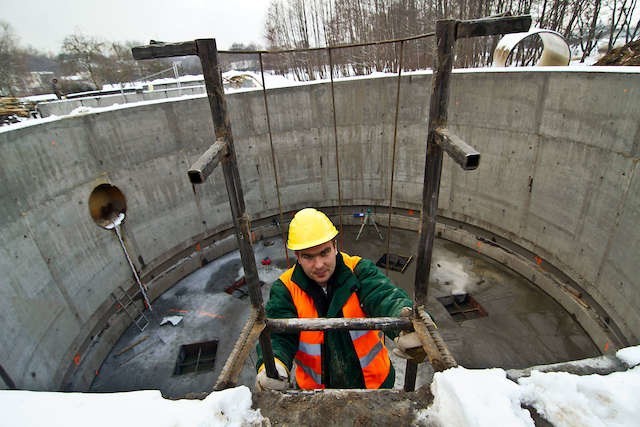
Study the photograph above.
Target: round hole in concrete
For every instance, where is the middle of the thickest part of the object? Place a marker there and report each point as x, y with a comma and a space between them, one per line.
107, 205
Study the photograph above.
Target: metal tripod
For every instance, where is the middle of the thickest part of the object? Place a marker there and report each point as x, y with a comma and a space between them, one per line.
369, 219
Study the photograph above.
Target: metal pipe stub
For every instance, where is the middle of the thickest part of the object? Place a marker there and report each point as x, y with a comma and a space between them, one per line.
206, 164
462, 153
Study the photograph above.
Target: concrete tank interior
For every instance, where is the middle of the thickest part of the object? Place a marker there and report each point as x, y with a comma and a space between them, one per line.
545, 229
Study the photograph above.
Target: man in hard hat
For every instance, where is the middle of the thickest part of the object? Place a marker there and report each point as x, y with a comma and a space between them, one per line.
328, 283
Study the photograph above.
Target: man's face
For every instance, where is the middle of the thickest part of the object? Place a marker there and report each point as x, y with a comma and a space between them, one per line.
318, 262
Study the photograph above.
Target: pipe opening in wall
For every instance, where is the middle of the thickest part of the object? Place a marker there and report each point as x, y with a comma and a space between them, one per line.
107, 206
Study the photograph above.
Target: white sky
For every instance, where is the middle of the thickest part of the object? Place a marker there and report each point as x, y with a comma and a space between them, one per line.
43, 24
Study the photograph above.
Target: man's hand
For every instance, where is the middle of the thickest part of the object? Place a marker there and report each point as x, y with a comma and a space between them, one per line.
408, 346
263, 382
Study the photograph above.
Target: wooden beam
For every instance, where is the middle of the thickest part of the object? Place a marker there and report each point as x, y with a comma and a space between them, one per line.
245, 343
368, 323
492, 26
447, 359
164, 50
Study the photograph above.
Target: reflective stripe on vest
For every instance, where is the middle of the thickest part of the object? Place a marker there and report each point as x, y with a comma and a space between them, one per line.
369, 345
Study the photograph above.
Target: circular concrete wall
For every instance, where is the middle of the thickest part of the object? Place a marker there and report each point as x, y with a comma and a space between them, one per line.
556, 196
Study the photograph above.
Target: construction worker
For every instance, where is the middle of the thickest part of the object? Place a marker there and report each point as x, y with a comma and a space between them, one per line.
328, 283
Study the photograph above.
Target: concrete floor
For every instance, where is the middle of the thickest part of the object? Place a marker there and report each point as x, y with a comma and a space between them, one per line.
523, 326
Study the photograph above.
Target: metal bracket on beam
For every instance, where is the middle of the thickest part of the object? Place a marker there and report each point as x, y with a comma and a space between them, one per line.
462, 153
205, 165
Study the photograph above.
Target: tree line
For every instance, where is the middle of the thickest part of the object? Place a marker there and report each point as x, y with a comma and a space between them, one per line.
301, 24
86, 61
304, 24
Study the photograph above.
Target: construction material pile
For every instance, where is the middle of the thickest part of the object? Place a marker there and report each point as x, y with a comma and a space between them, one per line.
628, 54
11, 109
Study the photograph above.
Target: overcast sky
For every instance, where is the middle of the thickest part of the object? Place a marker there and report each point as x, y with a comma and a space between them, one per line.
43, 24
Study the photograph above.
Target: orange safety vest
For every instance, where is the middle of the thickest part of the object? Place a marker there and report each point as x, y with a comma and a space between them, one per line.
369, 345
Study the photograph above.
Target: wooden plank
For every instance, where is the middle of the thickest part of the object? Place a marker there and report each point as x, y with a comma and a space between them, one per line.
245, 343
439, 102
369, 323
429, 345
493, 26
448, 361
129, 347
164, 50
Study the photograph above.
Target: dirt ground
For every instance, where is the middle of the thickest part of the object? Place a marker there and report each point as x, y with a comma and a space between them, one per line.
342, 407
628, 54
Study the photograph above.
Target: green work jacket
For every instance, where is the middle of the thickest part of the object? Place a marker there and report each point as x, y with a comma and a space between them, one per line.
378, 298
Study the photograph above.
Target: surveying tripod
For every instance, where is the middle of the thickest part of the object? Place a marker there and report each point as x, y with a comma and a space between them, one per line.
368, 218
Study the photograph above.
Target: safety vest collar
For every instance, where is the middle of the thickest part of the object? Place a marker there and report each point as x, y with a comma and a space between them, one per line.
343, 283
346, 283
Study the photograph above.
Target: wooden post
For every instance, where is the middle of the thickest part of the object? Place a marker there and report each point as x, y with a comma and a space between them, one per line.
225, 153
208, 53
445, 39
447, 31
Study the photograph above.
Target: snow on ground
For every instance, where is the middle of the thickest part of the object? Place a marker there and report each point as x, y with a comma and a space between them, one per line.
462, 397
485, 397
589, 400
480, 397
629, 355
230, 407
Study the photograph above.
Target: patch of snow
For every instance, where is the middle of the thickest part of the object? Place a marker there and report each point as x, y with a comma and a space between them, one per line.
629, 355
230, 407
590, 400
482, 397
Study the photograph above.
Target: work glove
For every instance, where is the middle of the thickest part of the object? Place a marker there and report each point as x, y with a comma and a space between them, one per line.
263, 382
408, 345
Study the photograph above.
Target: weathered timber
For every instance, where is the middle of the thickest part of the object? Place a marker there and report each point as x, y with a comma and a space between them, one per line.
410, 374
164, 50
462, 153
429, 346
445, 40
205, 165
447, 358
325, 324
233, 366
207, 51
492, 26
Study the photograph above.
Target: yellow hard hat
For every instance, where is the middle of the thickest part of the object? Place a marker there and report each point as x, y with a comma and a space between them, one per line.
310, 227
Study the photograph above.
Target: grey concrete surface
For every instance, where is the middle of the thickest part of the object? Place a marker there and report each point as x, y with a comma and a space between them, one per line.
523, 327
558, 178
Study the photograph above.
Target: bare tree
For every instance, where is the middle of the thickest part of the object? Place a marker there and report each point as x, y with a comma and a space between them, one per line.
86, 54
12, 60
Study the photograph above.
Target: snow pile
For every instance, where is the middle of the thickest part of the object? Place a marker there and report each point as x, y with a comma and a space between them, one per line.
230, 407
590, 400
629, 355
484, 397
